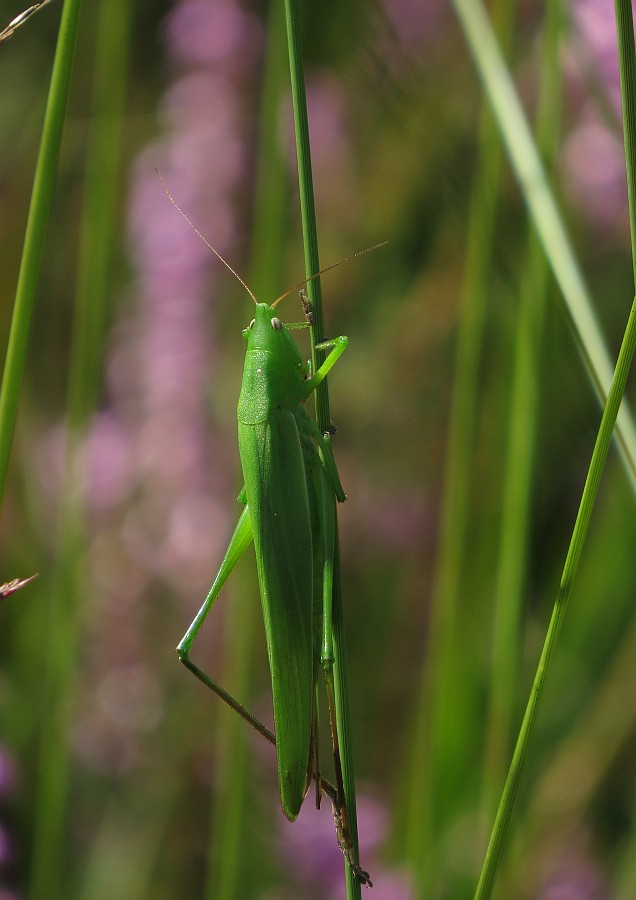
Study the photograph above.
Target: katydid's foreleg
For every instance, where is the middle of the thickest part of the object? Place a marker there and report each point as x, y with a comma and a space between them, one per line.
338, 345
327, 513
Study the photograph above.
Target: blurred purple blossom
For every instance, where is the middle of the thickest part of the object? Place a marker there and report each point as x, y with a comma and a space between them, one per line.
594, 172
310, 850
158, 478
327, 114
159, 449
592, 159
8, 775
200, 32
576, 878
415, 22
7, 849
595, 28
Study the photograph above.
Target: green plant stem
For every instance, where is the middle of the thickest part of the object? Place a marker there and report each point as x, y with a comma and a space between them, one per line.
627, 68
590, 490
307, 203
41, 198
312, 265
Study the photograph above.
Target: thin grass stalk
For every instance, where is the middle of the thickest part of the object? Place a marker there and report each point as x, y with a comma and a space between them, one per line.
40, 205
435, 748
225, 877
511, 568
270, 200
544, 213
599, 456
61, 638
312, 265
225, 872
627, 68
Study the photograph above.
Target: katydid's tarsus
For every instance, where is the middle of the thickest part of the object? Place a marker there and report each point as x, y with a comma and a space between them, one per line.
291, 485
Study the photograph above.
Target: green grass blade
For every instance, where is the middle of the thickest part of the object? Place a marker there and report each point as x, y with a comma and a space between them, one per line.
627, 68
312, 265
436, 745
517, 480
545, 214
307, 203
590, 490
39, 209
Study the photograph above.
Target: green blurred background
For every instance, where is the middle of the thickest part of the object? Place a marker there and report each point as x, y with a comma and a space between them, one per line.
120, 777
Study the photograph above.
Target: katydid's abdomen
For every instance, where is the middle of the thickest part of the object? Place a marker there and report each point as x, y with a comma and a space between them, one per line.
277, 499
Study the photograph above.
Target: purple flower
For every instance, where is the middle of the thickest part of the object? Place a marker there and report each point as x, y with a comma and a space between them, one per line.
158, 478
596, 30
415, 22
8, 774
594, 172
219, 33
310, 850
575, 879
593, 161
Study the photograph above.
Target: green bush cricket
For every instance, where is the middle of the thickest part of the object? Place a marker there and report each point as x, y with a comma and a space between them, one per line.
291, 485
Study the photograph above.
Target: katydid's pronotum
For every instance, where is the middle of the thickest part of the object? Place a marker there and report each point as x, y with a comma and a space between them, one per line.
291, 485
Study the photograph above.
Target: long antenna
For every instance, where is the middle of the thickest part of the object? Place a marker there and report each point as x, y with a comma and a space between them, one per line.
236, 274
205, 241
326, 269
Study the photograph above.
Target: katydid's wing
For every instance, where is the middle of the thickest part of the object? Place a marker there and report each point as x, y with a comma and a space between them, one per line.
275, 483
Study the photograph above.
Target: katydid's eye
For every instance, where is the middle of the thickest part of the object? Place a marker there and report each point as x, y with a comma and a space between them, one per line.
251, 325
276, 324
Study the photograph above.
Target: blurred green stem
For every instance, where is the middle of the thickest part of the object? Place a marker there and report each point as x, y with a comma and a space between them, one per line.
521, 443
61, 636
627, 67
436, 748
41, 199
544, 212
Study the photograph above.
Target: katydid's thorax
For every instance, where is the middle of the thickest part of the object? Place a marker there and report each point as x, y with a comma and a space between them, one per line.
274, 371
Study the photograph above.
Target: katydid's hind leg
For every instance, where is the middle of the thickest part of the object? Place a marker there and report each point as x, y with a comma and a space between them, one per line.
341, 817
239, 542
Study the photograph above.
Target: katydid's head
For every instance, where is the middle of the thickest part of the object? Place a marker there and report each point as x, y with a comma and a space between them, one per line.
266, 332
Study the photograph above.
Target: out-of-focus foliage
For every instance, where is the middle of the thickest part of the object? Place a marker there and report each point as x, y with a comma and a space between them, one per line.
394, 106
